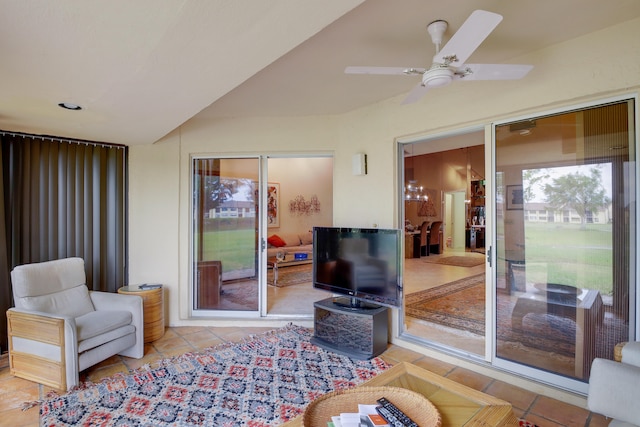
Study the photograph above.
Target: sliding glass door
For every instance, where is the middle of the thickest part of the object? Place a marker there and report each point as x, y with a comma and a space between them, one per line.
565, 240
225, 235
251, 246
443, 212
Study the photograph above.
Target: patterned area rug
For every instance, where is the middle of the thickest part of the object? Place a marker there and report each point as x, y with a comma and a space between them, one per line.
461, 305
292, 275
458, 304
458, 261
264, 381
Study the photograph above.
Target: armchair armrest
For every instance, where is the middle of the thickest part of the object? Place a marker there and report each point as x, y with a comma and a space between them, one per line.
41, 346
631, 353
131, 303
613, 390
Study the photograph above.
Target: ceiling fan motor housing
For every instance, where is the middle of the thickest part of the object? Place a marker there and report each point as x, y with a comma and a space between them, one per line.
437, 76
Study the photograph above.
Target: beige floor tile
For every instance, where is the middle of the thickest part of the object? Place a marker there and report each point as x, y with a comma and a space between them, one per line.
469, 378
518, 397
559, 412
434, 365
19, 418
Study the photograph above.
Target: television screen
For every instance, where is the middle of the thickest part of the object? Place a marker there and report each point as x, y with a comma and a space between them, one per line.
360, 263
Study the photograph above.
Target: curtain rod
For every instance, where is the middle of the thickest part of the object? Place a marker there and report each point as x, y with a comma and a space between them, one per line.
58, 139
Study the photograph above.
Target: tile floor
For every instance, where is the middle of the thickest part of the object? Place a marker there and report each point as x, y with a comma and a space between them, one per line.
543, 411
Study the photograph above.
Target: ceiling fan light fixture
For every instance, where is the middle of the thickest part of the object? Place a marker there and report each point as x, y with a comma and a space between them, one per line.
437, 77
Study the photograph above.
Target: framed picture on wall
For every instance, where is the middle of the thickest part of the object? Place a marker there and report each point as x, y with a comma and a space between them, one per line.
273, 204
428, 207
515, 198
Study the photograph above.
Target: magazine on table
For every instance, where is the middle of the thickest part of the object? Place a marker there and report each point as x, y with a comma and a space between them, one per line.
367, 416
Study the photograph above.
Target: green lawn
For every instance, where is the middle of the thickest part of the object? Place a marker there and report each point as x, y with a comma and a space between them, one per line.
235, 248
566, 254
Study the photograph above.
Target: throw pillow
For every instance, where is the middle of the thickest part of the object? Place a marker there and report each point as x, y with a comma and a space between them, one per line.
276, 241
290, 239
306, 238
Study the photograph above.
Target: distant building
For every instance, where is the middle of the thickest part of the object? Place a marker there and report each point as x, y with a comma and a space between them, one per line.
540, 212
234, 209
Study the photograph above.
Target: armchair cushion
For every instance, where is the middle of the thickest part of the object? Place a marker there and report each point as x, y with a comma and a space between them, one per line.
108, 336
47, 277
100, 322
72, 302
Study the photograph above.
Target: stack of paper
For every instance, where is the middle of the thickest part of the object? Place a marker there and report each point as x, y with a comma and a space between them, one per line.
367, 416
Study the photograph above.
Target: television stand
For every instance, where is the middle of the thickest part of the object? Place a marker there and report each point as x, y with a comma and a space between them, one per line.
354, 303
360, 333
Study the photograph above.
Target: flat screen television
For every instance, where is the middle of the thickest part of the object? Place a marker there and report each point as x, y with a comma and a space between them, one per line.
360, 264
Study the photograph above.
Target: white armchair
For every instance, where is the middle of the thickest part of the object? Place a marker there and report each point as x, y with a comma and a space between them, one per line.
59, 328
614, 387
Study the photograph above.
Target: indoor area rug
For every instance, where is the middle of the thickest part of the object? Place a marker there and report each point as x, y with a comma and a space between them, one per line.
457, 260
458, 304
265, 380
291, 275
461, 305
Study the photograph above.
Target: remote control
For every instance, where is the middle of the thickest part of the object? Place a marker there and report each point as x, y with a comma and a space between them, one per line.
394, 416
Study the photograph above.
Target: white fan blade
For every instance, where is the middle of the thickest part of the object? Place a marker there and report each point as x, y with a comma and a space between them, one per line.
416, 93
402, 71
467, 39
494, 71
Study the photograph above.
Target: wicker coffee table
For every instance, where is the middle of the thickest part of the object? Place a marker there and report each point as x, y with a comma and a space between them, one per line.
457, 404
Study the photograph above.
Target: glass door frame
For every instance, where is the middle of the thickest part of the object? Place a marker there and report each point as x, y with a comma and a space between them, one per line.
532, 373
442, 142
262, 229
263, 232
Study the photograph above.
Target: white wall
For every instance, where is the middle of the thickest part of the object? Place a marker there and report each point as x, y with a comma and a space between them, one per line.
306, 177
591, 67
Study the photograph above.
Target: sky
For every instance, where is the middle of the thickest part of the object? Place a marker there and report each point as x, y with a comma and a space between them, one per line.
605, 169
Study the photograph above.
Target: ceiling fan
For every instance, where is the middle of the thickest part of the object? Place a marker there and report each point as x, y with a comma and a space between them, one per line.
449, 63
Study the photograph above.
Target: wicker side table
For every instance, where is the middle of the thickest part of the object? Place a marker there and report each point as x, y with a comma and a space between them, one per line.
153, 309
617, 351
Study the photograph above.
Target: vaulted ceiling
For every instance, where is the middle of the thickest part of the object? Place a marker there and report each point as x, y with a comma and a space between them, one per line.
141, 69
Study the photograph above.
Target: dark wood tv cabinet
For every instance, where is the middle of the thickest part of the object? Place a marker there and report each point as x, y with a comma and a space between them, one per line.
360, 333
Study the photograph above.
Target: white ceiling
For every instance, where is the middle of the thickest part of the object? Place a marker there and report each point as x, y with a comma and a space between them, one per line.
142, 68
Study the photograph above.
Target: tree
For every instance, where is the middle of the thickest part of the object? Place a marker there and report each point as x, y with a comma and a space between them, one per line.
218, 190
577, 191
532, 177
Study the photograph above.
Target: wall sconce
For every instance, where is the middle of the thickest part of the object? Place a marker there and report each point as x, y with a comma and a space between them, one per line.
359, 164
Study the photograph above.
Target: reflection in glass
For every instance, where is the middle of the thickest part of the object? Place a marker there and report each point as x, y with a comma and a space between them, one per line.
563, 186
225, 227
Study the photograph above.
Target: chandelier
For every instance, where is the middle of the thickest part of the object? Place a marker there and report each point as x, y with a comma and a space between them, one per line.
414, 192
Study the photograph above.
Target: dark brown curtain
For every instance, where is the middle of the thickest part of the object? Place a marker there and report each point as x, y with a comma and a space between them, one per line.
61, 198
